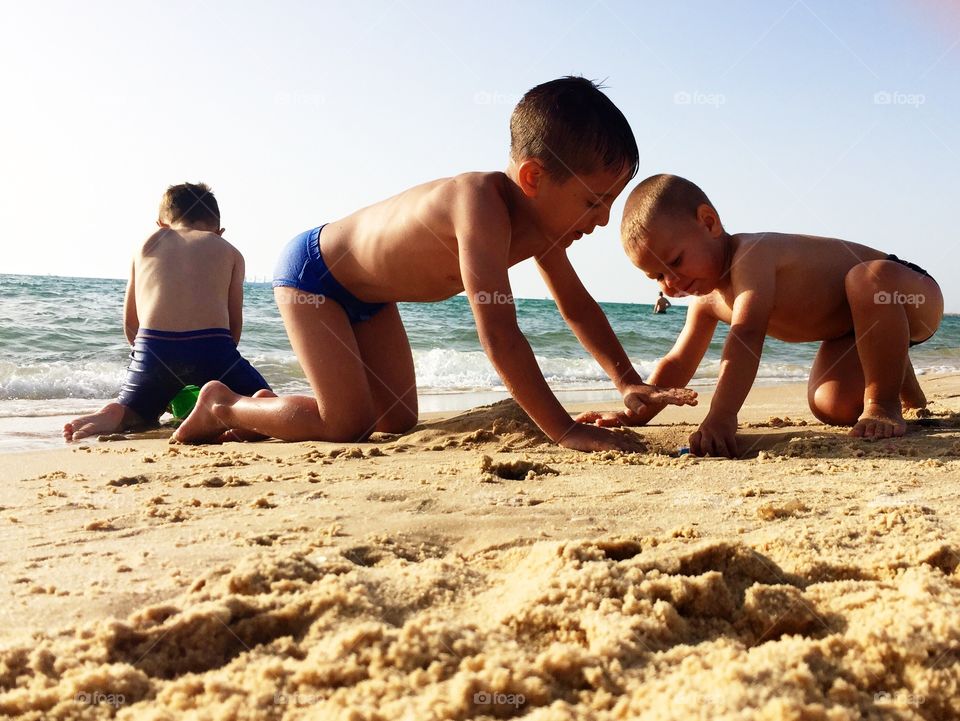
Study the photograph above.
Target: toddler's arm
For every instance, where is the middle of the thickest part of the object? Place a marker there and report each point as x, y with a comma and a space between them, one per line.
592, 328
754, 286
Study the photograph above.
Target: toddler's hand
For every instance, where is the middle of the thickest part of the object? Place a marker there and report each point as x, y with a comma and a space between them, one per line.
717, 436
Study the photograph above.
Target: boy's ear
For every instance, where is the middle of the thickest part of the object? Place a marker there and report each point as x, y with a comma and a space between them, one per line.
161, 224
710, 220
220, 232
530, 175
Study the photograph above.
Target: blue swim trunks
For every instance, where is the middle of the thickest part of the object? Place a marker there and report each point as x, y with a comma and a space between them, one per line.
163, 362
302, 266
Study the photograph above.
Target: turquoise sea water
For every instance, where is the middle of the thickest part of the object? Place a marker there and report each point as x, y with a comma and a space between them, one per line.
62, 348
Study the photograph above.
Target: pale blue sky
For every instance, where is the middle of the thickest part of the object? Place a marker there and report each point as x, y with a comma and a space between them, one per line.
810, 116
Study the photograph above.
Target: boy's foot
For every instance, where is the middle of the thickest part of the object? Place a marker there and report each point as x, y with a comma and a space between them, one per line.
203, 425
880, 421
107, 420
911, 394
242, 436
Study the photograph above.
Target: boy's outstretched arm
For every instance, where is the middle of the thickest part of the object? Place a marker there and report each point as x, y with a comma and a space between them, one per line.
483, 233
131, 323
754, 290
674, 370
589, 323
235, 298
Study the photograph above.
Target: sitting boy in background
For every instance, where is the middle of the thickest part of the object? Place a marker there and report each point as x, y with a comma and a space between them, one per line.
338, 285
183, 313
867, 308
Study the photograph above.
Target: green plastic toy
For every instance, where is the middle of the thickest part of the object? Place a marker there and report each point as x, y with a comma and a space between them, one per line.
184, 401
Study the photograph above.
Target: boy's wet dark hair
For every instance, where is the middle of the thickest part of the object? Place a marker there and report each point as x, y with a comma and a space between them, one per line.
656, 197
192, 204
572, 127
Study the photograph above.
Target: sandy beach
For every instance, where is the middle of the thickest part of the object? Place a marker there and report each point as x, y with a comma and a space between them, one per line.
469, 570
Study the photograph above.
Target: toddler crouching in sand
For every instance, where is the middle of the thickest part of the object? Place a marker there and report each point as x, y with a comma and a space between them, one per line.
183, 314
865, 306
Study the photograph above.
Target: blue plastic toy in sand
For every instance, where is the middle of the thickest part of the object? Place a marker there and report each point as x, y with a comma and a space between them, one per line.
183, 402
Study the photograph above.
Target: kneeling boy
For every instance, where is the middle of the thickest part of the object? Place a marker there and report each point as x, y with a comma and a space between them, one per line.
338, 285
183, 314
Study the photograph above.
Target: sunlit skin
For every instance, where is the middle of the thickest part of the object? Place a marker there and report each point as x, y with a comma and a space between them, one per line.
426, 244
183, 277
795, 288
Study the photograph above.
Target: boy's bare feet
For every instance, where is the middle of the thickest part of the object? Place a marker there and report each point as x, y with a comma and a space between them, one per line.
242, 436
880, 421
107, 420
203, 425
911, 394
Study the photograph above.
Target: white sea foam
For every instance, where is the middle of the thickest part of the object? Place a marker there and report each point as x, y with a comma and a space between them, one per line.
69, 386
59, 379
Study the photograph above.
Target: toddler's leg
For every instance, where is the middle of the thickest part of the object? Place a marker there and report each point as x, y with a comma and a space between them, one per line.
911, 394
890, 305
835, 388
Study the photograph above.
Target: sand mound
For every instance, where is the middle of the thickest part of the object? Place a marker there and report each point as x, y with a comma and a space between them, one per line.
617, 628
504, 423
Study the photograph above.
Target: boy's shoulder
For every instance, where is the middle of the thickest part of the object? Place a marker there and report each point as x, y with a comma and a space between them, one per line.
185, 242
478, 183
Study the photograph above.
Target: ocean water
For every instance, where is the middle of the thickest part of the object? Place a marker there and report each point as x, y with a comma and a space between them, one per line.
62, 347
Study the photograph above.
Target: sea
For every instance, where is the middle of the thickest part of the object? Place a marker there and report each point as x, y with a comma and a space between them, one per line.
63, 351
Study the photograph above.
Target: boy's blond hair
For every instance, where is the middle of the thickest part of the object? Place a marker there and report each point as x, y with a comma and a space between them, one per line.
659, 196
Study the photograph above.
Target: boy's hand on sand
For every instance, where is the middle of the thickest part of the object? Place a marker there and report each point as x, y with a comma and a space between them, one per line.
591, 438
614, 419
643, 402
717, 436
642, 398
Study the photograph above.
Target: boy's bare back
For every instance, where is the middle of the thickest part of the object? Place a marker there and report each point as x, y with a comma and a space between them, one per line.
185, 279
406, 247
183, 315
806, 276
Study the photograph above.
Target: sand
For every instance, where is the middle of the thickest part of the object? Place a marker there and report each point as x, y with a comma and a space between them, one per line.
469, 570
